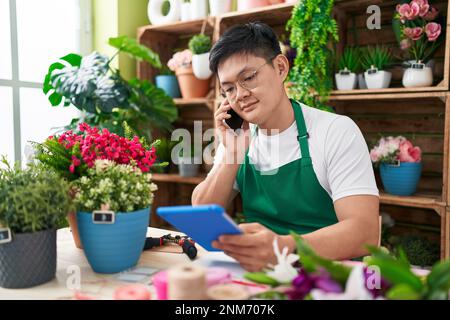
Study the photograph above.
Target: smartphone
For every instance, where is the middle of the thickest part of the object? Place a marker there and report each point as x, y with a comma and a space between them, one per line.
235, 122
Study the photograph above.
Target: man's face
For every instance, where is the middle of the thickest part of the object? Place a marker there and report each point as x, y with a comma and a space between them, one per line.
255, 105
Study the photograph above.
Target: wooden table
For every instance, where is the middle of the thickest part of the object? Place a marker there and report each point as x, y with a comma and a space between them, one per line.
99, 286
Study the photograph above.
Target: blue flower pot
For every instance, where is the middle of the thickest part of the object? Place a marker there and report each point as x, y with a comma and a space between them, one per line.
401, 180
169, 84
112, 248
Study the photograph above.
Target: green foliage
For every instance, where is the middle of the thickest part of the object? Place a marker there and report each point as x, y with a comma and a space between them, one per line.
32, 199
350, 60
406, 284
135, 50
123, 188
379, 57
420, 251
105, 97
312, 30
199, 44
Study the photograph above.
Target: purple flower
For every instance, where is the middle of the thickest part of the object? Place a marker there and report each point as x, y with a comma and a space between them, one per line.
383, 284
304, 283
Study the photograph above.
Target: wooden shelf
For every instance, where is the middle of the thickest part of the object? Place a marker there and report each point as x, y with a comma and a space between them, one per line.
260, 10
176, 178
419, 200
179, 102
178, 28
393, 93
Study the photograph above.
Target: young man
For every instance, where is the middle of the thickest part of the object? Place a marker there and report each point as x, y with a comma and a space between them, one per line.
320, 183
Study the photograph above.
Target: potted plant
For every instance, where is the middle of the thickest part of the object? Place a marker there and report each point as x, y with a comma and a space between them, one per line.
374, 61
200, 46
72, 154
400, 164
188, 160
106, 99
312, 32
190, 85
420, 37
218, 7
167, 81
346, 78
113, 202
163, 154
33, 204
250, 4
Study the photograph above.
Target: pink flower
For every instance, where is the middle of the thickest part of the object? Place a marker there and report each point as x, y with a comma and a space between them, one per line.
433, 30
374, 154
424, 7
413, 33
405, 44
408, 11
432, 14
409, 153
180, 59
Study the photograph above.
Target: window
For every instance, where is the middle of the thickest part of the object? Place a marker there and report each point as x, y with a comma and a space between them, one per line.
35, 34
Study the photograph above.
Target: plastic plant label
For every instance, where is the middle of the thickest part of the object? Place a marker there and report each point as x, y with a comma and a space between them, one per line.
5, 235
103, 217
418, 66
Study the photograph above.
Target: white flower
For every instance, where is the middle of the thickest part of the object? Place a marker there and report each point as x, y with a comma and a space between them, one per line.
283, 272
355, 289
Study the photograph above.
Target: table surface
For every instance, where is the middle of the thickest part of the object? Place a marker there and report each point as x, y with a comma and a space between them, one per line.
98, 286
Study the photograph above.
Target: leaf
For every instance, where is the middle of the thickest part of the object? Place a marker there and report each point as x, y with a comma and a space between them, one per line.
136, 50
402, 292
72, 58
55, 99
261, 277
439, 277
47, 82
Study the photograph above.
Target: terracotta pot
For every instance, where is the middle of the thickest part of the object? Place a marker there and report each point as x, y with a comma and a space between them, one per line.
74, 229
190, 86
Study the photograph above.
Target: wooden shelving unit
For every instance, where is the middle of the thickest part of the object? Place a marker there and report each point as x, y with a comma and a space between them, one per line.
421, 114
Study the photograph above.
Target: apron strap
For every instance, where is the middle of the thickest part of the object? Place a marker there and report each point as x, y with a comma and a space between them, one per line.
303, 135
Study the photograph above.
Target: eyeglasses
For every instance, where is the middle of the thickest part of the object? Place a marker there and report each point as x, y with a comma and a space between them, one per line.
246, 79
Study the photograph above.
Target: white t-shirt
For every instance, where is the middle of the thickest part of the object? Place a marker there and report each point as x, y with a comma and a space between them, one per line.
339, 153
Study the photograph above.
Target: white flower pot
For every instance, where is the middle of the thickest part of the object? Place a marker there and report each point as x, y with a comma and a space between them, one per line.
218, 7
345, 81
155, 15
378, 79
185, 11
200, 66
199, 9
418, 75
361, 81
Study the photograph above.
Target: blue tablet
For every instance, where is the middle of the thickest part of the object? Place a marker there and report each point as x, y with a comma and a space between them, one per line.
203, 224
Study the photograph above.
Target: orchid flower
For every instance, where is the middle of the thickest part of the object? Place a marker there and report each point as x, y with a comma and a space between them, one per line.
283, 272
355, 288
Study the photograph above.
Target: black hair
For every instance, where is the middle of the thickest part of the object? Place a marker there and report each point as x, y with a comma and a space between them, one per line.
255, 38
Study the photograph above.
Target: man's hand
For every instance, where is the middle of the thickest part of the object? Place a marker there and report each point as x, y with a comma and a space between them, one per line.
253, 249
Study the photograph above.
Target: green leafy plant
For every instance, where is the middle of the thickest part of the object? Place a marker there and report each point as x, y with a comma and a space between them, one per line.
32, 199
200, 43
90, 84
379, 57
350, 60
123, 188
419, 250
312, 30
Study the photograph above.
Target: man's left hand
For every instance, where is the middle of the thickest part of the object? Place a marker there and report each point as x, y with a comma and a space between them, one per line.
254, 248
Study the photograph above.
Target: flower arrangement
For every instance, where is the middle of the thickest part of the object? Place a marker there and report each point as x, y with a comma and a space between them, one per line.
392, 150
382, 275
71, 154
123, 188
180, 59
419, 33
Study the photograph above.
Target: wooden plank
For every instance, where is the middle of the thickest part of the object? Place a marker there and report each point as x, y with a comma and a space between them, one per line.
175, 178
446, 169
180, 27
430, 200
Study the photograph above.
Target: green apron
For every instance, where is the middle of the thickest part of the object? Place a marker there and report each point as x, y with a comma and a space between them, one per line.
292, 199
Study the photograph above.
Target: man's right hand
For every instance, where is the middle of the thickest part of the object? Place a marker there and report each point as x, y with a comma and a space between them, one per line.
236, 142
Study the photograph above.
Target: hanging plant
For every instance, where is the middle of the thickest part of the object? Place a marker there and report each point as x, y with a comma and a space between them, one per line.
312, 31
